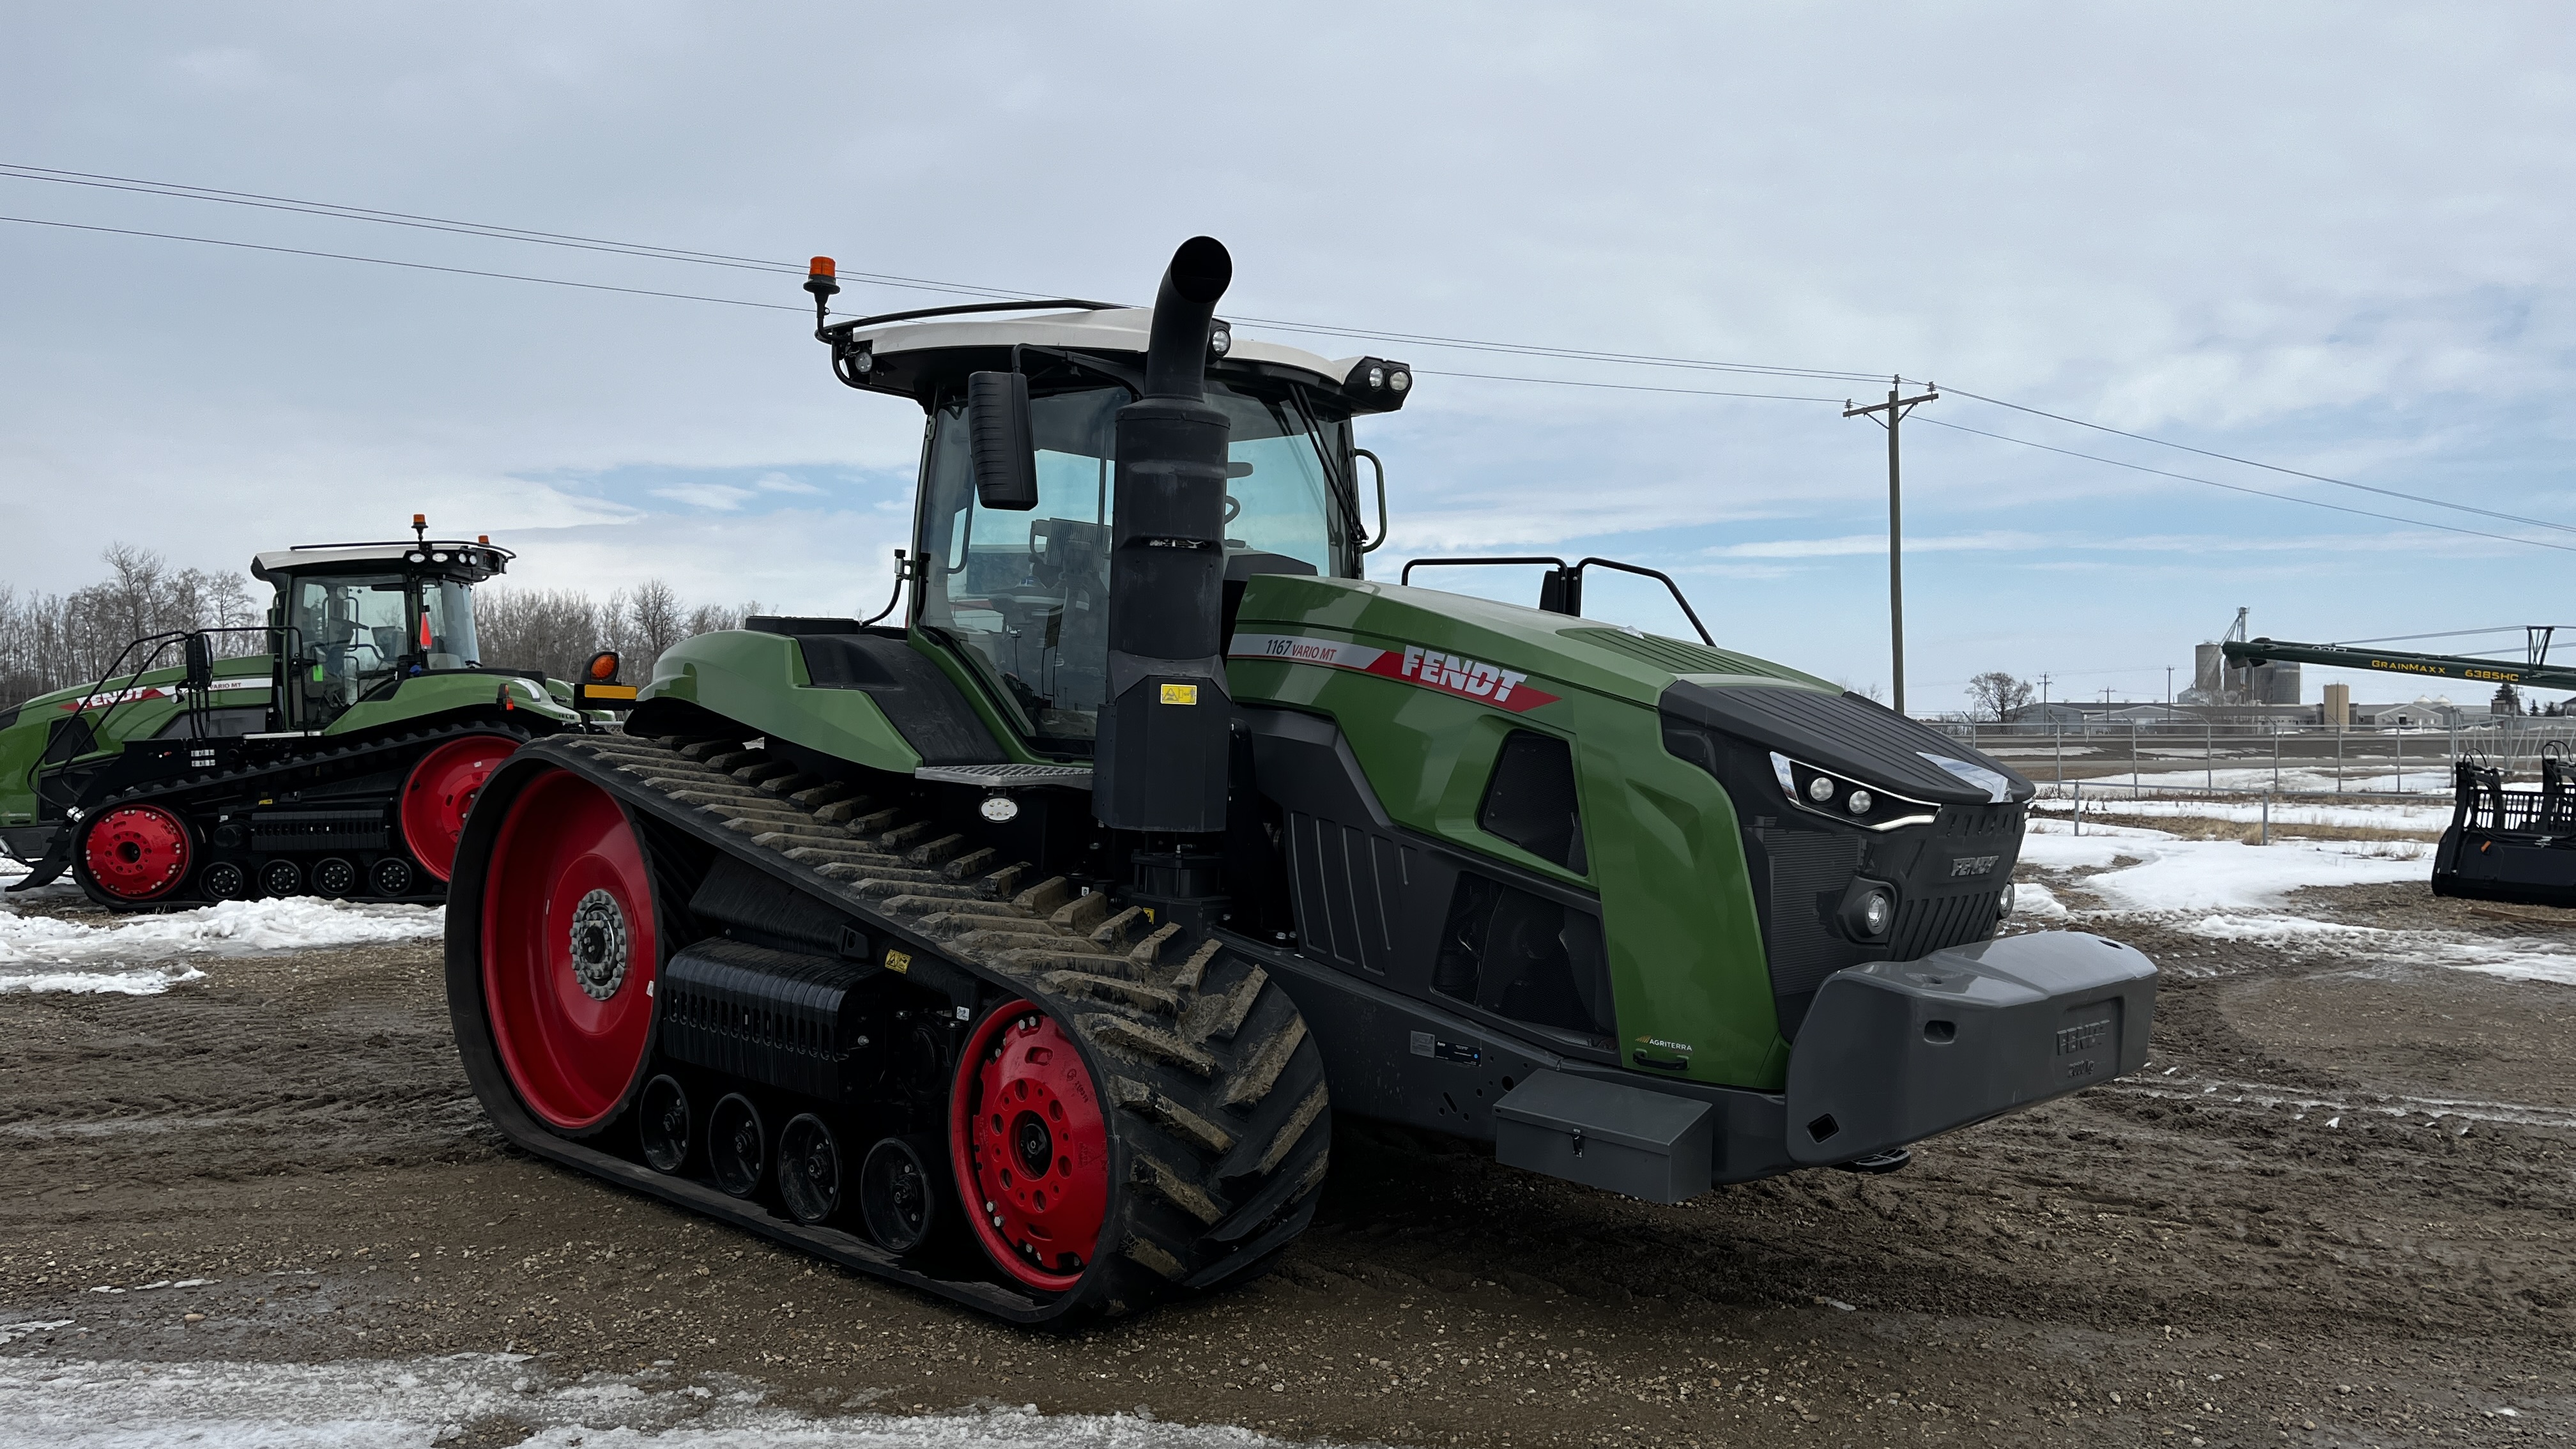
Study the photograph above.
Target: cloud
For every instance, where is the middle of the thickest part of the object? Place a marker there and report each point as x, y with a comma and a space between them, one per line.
781, 483
721, 496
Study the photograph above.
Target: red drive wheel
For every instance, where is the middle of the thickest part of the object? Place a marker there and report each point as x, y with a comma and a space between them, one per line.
137, 852
440, 794
568, 951
1030, 1147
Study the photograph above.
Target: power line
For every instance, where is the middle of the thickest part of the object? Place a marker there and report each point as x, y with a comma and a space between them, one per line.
1624, 386
412, 266
2256, 492
490, 231
655, 252
2269, 467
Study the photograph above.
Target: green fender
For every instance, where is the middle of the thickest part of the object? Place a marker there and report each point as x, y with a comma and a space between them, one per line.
759, 682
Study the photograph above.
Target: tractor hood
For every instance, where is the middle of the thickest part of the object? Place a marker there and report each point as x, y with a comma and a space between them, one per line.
1523, 659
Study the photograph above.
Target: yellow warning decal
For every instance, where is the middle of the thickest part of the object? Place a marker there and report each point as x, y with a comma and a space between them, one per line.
898, 962
1180, 694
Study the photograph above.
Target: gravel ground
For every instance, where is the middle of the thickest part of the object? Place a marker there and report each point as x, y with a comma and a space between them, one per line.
2338, 1208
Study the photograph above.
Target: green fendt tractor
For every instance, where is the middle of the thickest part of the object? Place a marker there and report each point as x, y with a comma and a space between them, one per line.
340, 762
1024, 953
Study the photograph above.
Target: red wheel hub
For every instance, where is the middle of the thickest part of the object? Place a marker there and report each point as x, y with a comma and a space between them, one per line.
568, 951
137, 852
1031, 1148
440, 794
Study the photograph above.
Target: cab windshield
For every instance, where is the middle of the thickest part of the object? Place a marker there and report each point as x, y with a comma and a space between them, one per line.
352, 633
1025, 595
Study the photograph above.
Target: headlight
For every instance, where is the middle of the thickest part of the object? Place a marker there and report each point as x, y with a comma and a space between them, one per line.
1399, 380
1874, 913
2004, 902
1220, 341
1000, 809
1818, 793
1376, 378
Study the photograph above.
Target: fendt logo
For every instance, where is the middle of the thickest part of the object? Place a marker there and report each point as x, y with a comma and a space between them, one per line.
1460, 675
1449, 673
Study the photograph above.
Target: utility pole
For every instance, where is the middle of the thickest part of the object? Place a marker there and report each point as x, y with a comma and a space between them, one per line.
1894, 409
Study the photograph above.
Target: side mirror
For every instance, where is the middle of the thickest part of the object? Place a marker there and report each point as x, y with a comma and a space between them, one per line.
1003, 444
200, 666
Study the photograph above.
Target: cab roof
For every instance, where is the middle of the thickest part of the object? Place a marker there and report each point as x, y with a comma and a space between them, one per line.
904, 354
473, 560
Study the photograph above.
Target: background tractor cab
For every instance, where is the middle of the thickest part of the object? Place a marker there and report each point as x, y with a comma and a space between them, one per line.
342, 761
356, 620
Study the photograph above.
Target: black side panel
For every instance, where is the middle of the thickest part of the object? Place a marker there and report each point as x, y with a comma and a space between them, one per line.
921, 700
1373, 898
1843, 733
1530, 799
1529, 959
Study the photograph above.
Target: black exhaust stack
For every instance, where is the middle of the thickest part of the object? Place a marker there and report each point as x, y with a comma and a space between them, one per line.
1160, 761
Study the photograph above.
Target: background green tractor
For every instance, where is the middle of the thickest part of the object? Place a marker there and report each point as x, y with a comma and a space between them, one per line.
340, 762
1025, 952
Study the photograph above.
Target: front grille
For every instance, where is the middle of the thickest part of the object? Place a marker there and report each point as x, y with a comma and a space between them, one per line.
1809, 872
1924, 926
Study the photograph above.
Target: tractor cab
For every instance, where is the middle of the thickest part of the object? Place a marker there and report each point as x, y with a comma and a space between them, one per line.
351, 622
1012, 562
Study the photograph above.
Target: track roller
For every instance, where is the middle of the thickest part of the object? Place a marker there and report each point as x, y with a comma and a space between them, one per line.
223, 880
809, 1169
737, 1145
663, 1124
900, 1191
280, 878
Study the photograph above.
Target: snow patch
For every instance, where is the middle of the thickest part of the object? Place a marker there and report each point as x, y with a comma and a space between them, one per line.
2035, 902
128, 946
60, 1404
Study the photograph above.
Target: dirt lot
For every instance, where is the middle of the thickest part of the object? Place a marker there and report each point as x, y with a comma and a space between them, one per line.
2339, 1208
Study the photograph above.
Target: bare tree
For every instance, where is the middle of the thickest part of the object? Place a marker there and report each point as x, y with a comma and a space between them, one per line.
1997, 693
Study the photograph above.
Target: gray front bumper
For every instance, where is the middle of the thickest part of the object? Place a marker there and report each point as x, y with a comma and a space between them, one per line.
1895, 1051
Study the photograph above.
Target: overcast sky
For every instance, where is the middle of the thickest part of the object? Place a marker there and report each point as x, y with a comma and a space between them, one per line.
2332, 238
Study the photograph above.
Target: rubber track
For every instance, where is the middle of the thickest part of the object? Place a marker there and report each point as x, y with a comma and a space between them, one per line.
1223, 1127
322, 763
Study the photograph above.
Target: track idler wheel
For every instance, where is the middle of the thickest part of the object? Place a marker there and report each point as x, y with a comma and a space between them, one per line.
1031, 1147
569, 952
809, 1169
737, 1145
440, 793
132, 854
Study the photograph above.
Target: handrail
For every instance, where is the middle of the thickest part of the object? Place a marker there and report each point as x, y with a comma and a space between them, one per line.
1572, 573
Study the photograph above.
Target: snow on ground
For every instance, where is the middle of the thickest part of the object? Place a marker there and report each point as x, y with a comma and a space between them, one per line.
2202, 875
139, 955
2229, 891
2353, 814
2431, 783
59, 1404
